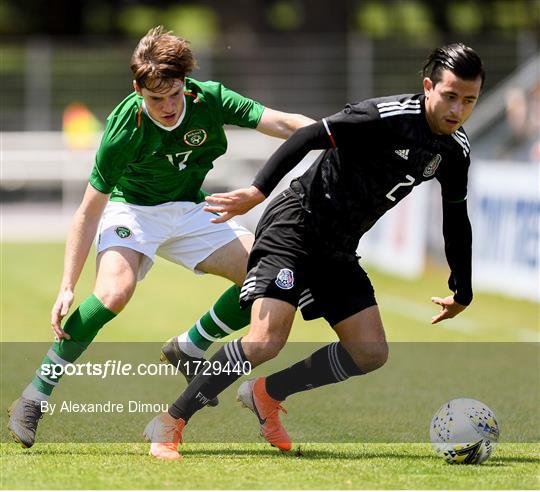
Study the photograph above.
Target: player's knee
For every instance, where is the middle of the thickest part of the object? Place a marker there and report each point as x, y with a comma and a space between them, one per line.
273, 348
262, 349
379, 357
371, 357
115, 298
270, 348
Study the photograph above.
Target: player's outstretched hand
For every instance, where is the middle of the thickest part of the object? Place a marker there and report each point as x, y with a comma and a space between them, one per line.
450, 308
236, 202
59, 310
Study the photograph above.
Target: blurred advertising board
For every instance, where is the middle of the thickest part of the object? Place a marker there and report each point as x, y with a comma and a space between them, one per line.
505, 212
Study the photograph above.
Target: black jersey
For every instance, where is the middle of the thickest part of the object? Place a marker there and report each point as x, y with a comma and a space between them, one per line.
382, 148
377, 151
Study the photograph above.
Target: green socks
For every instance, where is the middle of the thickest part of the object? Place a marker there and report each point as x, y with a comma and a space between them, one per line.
83, 325
224, 318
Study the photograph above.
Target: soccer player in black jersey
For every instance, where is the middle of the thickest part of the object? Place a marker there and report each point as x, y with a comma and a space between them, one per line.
375, 153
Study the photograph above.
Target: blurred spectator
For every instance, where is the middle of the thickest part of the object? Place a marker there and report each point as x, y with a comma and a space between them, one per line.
534, 117
523, 121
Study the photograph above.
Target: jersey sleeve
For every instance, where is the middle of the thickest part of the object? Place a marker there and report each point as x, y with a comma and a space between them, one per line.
116, 150
457, 230
354, 124
454, 180
457, 234
289, 154
239, 110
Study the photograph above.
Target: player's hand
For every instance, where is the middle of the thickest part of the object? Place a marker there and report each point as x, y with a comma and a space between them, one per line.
236, 202
59, 310
450, 308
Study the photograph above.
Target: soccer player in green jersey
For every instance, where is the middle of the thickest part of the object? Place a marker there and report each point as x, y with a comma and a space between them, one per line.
144, 198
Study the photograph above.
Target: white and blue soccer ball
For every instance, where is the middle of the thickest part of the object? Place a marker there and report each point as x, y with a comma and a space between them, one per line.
464, 431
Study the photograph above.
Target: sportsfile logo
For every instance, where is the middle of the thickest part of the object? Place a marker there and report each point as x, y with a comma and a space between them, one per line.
111, 368
105, 369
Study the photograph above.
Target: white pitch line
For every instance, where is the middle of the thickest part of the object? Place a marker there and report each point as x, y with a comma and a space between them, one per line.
422, 312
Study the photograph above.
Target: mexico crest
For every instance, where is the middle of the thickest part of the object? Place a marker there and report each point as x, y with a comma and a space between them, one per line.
122, 232
196, 138
285, 279
432, 166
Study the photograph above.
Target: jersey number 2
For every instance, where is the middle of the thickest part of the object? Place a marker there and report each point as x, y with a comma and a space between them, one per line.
409, 182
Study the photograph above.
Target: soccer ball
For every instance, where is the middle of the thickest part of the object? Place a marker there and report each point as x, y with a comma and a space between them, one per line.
464, 431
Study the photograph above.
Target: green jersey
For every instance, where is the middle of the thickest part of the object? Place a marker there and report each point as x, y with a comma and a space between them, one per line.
142, 162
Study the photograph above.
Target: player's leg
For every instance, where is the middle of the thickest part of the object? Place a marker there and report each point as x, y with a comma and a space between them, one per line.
362, 336
230, 260
328, 365
362, 349
219, 249
115, 283
349, 306
270, 326
271, 270
225, 316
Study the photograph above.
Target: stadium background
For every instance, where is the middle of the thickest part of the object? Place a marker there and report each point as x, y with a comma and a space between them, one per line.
64, 66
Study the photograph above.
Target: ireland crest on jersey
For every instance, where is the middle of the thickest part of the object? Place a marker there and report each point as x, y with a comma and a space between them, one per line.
196, 138
285, 279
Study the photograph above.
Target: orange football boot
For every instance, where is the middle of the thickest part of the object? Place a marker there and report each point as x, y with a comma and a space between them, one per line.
165, 433
252, 394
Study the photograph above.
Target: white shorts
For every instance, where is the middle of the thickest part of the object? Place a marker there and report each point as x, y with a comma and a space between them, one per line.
180, 232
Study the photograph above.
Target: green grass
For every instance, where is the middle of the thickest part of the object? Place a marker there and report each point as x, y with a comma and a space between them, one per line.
256, 466
396, 401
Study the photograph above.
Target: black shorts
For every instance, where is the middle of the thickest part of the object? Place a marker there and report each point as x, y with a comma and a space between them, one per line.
285, 264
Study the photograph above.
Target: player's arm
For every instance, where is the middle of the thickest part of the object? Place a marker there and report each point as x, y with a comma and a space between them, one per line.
116, 147
238, 110
80, 236
281, 125
457, 234
283, 160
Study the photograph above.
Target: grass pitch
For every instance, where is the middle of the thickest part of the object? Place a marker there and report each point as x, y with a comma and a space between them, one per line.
257, 466
171, 299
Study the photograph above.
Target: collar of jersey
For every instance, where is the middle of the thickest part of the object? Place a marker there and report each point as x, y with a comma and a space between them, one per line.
425, 124
163, 127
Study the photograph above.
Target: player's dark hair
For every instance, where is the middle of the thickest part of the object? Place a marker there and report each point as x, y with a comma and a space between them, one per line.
159, 58
461, 60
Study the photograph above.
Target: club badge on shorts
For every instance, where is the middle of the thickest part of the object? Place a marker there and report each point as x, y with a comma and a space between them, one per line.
285, 279
196, 138
122, 232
